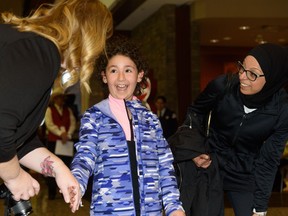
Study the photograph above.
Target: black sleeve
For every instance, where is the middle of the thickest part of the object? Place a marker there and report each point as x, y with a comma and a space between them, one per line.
29, 145
207, 99
28, 68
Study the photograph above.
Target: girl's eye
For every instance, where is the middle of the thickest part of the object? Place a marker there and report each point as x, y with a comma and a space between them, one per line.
112, 71
128, 70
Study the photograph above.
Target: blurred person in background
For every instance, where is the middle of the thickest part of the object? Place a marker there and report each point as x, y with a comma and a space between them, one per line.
60, 125
166, 116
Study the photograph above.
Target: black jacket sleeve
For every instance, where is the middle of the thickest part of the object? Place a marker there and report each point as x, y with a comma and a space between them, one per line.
28, 68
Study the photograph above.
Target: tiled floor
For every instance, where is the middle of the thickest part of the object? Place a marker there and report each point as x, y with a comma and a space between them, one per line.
278, 205
44, 207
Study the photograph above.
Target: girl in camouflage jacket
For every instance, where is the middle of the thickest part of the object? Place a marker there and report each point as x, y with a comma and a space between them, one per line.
121, 144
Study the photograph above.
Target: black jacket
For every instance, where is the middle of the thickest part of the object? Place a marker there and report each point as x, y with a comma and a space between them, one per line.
200, 189
248, 146
29, 64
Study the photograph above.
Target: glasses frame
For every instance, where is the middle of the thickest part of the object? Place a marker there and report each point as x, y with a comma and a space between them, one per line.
241, 66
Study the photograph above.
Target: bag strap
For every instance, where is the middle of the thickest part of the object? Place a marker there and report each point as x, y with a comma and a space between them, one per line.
190, 125
208, 124
190, 121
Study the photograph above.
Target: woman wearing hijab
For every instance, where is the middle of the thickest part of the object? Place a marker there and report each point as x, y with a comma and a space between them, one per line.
249, 127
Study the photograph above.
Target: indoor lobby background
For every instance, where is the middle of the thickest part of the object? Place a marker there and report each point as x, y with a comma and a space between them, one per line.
187, 43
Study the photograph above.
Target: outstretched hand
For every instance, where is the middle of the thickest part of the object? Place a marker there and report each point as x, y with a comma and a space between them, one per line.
74, 198
69, 187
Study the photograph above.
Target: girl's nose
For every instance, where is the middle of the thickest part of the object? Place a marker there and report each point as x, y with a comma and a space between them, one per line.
121, 76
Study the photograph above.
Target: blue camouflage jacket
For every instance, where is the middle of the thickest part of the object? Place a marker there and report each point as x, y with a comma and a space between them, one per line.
102, 152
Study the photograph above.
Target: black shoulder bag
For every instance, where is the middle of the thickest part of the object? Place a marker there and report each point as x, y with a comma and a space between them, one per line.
189, 140
200, 189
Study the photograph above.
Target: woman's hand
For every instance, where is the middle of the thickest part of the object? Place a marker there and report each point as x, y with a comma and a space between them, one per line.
69, 186
178, 213
202, 161
20, 183
74, 196
24, 186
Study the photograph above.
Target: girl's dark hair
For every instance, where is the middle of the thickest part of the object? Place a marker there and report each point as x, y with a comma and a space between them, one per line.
121, 45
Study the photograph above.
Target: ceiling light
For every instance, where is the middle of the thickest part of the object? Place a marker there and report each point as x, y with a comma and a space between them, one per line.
227, 38
259, 39
214, 41
244, 28
263, 42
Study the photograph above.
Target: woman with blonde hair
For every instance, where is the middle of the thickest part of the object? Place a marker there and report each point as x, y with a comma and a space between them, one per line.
70, 34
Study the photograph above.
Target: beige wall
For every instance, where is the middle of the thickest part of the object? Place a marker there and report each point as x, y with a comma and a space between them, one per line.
157, 36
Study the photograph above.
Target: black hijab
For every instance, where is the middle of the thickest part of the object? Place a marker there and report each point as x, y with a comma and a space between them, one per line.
273, 60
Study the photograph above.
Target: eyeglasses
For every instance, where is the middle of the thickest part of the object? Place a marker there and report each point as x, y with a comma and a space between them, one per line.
249, 74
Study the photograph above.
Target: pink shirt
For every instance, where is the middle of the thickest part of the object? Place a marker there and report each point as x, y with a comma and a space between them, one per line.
118, 109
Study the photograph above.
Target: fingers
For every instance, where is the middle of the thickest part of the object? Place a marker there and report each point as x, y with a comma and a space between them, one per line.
17, 197
205, 157
26, 195
36, 187
23, 187
75, 199
202, 161
66, 195
69, 187
206, 164
73, 196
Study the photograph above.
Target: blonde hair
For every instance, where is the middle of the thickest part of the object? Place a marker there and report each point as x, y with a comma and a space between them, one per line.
79, 29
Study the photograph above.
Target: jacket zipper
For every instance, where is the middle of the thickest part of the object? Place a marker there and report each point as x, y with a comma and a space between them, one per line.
240, 125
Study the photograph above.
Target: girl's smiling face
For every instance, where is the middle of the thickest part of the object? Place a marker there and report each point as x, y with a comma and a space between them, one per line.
121, 76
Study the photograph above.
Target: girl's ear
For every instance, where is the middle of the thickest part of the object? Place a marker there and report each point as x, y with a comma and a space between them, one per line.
104, 78
140, 76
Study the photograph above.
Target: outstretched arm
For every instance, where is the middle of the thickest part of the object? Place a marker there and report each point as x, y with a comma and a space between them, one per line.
43, 161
